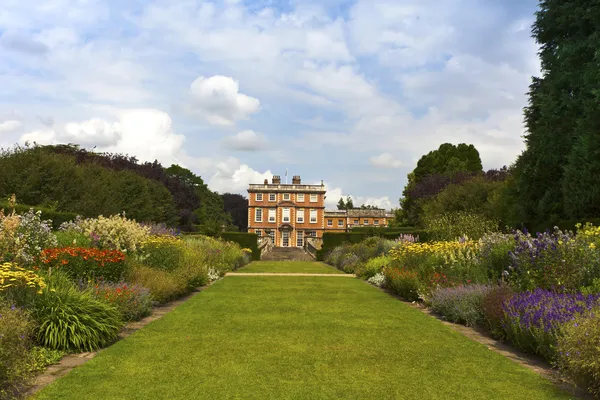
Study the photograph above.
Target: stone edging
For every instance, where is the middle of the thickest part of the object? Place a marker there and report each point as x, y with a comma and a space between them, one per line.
70, 361
534, 363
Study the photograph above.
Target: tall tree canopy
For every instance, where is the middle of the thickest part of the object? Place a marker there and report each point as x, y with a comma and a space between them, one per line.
237, 206
557, 174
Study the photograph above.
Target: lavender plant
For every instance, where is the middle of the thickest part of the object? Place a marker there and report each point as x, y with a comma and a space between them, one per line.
533, 319
461, 304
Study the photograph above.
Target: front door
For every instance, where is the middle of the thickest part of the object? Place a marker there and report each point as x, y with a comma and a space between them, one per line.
285, 239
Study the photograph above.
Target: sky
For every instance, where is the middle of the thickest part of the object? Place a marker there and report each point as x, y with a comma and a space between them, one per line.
349, 92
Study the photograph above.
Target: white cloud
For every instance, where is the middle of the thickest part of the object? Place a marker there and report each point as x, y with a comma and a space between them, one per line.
246, 141
234, 177
94, 132
385, 160
10, 126
218, 100
334, 194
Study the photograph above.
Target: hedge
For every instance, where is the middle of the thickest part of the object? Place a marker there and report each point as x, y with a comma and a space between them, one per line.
245, 240
57, 217
568, 225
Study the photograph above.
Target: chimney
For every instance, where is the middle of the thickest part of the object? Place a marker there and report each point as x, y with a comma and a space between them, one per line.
296, 180
276, 179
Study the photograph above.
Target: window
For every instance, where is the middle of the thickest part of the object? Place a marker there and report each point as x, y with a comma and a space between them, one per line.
286, 215
311, 233
272, 214
356, 222
340, 222
258, 196
286, 196
258, 215
300, 215
313, 216
272, 197
329, 222
314, 198
271, 234
376, 222
258, 232
300, 238
366, 222
300, 197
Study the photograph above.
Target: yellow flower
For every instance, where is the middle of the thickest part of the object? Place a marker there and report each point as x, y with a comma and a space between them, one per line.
592, 246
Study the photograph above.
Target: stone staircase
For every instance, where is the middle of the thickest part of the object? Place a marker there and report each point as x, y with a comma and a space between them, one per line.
287, 254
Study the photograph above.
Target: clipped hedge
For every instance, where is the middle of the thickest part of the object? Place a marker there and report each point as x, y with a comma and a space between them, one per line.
57, 217
245, 240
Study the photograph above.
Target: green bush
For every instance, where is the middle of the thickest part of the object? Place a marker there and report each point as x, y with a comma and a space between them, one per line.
451, 226
493, 308
16, 329
57, 217
72, 239
403, 282
73, 320
494, 253
462, 304
42, 357
373, 267
162, 252
163, 285
579, 350
134, 302
245, 240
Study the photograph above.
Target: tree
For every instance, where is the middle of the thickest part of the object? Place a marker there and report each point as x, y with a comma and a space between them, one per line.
349, 203
237, 206
341, 205
555, 175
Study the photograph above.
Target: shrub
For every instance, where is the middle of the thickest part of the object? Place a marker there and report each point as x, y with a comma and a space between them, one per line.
553, 260
451, 226
72, 239
134, 302
372, 267
41, 357
16, 330
163, 285
594, 288
114, 233
403, 282
160, 229
73, 320
533, 319
86, 263
22, 237
579, 350
162, 252
349, 263
495, 253
55, 217
493, 308
461, 304
378, 279
218, 254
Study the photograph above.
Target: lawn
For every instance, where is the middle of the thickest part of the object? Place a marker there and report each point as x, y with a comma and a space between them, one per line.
306, 267
298, 338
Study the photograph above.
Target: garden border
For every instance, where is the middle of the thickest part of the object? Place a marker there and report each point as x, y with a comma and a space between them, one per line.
532, 362
71, 361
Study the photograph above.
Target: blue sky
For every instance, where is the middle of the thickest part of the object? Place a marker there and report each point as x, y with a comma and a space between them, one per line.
349, 92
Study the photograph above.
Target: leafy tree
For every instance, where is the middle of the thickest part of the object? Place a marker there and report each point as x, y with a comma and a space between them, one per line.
349, 203
341, 205
555, 175
237, 206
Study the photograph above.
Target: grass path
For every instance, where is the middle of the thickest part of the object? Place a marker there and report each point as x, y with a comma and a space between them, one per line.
298, 338
306, 267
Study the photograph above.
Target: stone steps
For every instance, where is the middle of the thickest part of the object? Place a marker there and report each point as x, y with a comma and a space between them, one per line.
287, 254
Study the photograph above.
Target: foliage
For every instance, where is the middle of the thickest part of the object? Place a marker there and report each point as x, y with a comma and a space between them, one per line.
332, 240
451, 226
16, 330
116, 232
22, 237
236, 205
47, 214
373, 266
558, 260
49, 177
495, 251
162, 252
533, 319
403, 282
72, 239
556, 174
578, 350
163, 286
378, 279
73, 320
221, 255
133, 301
493, 308
42, 357
13, 277
244, 240
462, 304
160, 229
352, 258
85, 263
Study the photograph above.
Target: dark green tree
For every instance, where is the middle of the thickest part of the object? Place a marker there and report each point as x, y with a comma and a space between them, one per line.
341, 205
349, 203
554, 175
